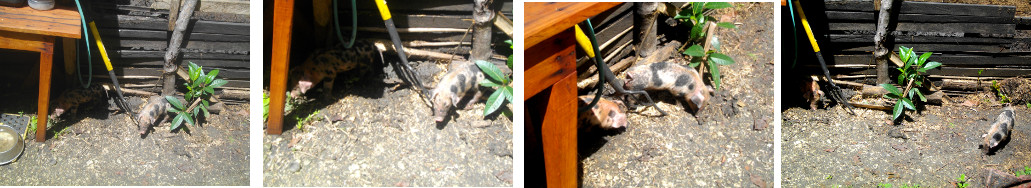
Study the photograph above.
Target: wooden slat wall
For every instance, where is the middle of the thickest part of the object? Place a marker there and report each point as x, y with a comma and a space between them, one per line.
136, 37
970, 40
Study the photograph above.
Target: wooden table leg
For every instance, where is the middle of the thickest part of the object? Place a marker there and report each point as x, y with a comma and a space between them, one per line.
283, 21
559, 136
46, 58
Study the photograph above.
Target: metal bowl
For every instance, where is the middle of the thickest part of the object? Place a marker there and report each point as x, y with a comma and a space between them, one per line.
11, 144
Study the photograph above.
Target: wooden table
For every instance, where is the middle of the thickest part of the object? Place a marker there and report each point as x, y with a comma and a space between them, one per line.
32, 30
281, 29
551, 63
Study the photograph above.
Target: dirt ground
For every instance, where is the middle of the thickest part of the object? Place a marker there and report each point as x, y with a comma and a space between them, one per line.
98, 148
379, 132
719, 148
830, 147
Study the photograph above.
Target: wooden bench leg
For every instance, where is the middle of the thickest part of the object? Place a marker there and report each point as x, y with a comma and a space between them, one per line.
559, 136
46, 58
282, 23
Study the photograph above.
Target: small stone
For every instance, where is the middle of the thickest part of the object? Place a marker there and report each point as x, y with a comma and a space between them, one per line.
293, 167
895, 133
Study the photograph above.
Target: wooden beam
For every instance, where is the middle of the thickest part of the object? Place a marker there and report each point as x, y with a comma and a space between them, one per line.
921, 18
544, 20
559, 135
549, 62
986, 28
917, 39
46, 59
282, 29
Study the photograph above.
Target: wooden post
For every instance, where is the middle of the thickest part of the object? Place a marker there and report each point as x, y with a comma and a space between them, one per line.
644, 23
173, 12
883, 47
483, 17
46, 58
172, 56
281, 30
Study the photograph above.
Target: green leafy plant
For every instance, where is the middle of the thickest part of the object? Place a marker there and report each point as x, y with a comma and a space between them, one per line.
199, 87
302, 121
961, 182
885, 185
31, 127
998, 92
910, 76
699, 26
509, 42
265, 100
500, 82
1026, 171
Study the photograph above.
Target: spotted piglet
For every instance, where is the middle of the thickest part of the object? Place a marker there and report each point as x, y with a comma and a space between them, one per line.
153, 113
324, 65
462, 79
811, 92
679, 80
999, 131
71, 100
605, 114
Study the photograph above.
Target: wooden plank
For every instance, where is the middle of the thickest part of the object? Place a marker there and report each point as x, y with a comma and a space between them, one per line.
946, 60
149, 23
985, 48
157, 62
163, 35
22, 41
559, 135
921, 18
552, 60
60, 21
931, 8
613, 29
986, 28
405, 7
193, 55
202, 46
222, 73
461, 21
544, 20
608, 17
917, 39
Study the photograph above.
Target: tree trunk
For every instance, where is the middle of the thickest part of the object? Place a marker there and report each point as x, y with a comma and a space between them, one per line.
644, 24
881, 39
172, 56
484, 20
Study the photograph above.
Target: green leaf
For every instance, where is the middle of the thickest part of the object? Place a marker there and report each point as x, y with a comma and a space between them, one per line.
493, 103
718, 5
935, 64
694, 64
194, 71
489, 83
890, 88
204, 107
907, 103
509, 62
895, 113
211, 76
189, 120
683, 14
715, 72
923, 58
727, 25
490, 70
177, 111
218, 83
175, 102
694, 51
178, 120
696, 31
697, 7
508, 93
891, 96
721, 59
919, 94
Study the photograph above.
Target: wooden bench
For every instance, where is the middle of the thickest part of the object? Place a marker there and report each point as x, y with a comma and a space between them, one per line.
28, 29
550, 49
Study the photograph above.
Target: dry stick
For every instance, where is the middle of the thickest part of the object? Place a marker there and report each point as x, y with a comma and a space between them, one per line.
171, 57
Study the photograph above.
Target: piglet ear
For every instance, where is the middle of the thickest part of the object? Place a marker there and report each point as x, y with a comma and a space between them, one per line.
455, 99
